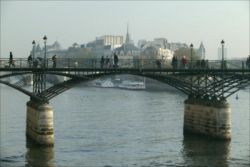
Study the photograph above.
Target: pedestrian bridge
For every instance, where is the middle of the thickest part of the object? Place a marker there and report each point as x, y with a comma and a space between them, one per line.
210, 80
207, 84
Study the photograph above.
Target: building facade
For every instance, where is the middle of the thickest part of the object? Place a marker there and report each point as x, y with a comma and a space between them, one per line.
113, 40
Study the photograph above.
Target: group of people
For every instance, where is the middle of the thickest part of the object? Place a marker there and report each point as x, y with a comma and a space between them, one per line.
106, 62
184, 62
200, 64
174, 62
34, 63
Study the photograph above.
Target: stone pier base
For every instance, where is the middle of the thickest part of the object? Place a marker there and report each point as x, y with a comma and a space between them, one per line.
208, 117
39, 123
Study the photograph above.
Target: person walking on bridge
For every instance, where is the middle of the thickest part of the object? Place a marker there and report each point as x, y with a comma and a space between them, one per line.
102, 62
54, 61
30, 60
11, 61
158, 63
115, 60
174, 62
248, 62
184, 61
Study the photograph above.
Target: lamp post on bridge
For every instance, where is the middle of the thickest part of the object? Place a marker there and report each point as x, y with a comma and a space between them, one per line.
45, 40
222, 65
45, 62
222, 54
33, 57
191, 59
191, 54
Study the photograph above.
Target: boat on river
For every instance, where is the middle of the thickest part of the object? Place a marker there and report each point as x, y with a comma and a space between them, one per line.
104, 83
125, 84
133, 85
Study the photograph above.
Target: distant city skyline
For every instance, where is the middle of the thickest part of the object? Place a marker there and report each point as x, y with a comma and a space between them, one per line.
82, 21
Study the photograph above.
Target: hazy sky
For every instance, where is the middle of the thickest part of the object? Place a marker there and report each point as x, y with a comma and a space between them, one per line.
83, 21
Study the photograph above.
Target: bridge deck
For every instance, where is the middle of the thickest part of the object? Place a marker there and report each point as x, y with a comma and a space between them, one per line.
210, 80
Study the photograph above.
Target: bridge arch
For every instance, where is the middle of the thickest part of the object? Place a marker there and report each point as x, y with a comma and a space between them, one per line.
198, 118
188, 83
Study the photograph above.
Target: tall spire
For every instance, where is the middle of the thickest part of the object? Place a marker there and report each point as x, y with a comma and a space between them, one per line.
127, 36
202, 50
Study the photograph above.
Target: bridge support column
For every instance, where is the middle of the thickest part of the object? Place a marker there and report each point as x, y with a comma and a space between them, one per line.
208, 117
39, 123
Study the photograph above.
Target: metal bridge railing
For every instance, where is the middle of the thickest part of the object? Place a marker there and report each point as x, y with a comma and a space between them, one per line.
17, 63
122, 63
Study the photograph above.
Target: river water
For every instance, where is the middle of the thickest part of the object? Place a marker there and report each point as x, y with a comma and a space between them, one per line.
114, 127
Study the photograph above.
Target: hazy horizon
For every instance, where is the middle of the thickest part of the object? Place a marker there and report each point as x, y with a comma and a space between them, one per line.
82, 21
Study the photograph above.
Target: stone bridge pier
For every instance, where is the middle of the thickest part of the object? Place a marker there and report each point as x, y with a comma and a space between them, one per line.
209, 117
39, 123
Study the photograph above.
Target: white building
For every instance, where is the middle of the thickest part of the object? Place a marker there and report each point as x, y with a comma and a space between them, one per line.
158, 49
165, 54
176, 45
113, 40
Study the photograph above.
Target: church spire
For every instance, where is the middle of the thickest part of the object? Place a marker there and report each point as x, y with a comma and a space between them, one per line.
202, 51
127, 36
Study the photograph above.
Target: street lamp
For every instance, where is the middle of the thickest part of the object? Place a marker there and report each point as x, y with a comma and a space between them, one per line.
222, 52
191, 54
223, 64
45, 40
191, 57
33, 57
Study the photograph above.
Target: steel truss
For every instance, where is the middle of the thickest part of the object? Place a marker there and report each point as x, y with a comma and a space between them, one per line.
207, 84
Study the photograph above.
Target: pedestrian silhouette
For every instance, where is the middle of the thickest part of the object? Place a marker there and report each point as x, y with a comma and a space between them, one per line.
54, 61
184, 61
30, 60
248, 62
11, 61
115, 60
102, 61
174, 62
158, 63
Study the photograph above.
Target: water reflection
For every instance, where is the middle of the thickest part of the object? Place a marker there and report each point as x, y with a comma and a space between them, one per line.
39, 156
201, 151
